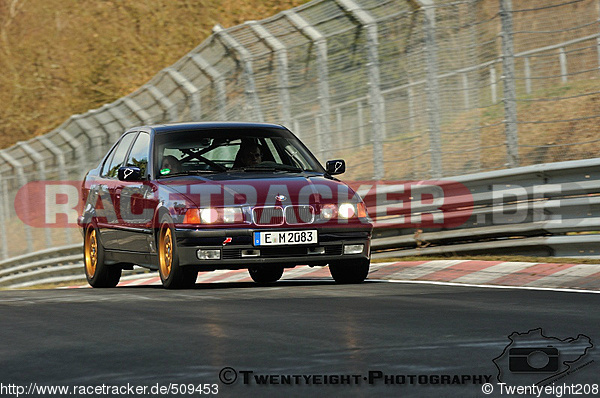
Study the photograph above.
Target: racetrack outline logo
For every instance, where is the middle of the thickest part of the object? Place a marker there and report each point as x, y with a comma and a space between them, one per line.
514, 364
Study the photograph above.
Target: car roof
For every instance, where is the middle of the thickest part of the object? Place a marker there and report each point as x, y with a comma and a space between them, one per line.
174, 127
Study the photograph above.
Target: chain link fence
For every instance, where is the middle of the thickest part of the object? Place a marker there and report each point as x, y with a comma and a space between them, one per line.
401, 89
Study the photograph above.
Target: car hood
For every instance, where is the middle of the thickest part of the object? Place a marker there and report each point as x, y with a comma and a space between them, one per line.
256, 189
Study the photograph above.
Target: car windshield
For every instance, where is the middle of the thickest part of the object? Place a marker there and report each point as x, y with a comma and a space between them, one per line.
223, 150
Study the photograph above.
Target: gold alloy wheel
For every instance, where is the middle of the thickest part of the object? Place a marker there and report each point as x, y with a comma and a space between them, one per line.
91, 253
165, 252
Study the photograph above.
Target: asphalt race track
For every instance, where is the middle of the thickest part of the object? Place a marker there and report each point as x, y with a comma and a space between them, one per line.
332, 335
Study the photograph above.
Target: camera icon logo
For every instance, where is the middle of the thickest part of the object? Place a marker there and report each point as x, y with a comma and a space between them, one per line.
533, 360
534, 357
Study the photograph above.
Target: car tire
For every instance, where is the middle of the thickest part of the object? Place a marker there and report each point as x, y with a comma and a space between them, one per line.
172, 275
265, 275
350, 272
97, 273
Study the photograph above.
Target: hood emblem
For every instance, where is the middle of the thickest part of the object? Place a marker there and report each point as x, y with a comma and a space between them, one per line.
280, 198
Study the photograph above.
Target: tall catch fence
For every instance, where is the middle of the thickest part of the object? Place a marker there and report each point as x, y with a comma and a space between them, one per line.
402, 89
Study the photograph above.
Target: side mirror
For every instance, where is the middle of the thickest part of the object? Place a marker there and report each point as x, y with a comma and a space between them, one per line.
129, 173
335, 166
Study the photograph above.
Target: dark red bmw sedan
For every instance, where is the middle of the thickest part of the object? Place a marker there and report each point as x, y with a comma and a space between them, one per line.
191, 197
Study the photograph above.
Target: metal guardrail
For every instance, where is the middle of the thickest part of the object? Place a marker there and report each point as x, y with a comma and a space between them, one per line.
45, 266
541, 210
59, 265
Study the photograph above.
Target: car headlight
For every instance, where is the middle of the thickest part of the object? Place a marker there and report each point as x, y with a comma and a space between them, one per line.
209, 215
212, 215
232, 215
346, 210
328, 211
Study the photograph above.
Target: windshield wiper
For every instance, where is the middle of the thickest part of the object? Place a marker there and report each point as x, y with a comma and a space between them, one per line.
188, 173
280, 167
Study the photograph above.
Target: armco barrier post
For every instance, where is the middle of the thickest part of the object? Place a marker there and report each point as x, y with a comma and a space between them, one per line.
93, 135
320, 42
191, 92
100, 115
78, 150
508, 78
62, 174
121, 118
376, 99
246, 60
137, 110
21, 182
168, 107
40, 163
282, 68
3, 207
433, 91
217, 80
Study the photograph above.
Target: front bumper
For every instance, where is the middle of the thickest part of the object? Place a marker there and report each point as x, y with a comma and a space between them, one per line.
239, 251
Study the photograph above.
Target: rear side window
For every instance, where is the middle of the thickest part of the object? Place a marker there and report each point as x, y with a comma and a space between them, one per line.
138, 157
111, 167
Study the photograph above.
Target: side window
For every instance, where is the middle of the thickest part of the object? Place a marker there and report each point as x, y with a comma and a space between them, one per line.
107, 161
118, 157
138, 157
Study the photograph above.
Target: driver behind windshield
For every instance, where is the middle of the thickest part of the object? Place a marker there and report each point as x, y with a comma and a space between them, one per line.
172, 163
249, 154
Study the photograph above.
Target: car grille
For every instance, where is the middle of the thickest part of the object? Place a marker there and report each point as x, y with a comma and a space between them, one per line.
267, 215
287, 251
333, 250
277, 215
231, 254
304, 214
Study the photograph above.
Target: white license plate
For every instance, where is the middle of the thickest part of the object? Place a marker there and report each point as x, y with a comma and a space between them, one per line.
285, 237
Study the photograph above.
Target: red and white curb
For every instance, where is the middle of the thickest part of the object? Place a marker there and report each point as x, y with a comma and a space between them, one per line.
468, 272
494, 273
